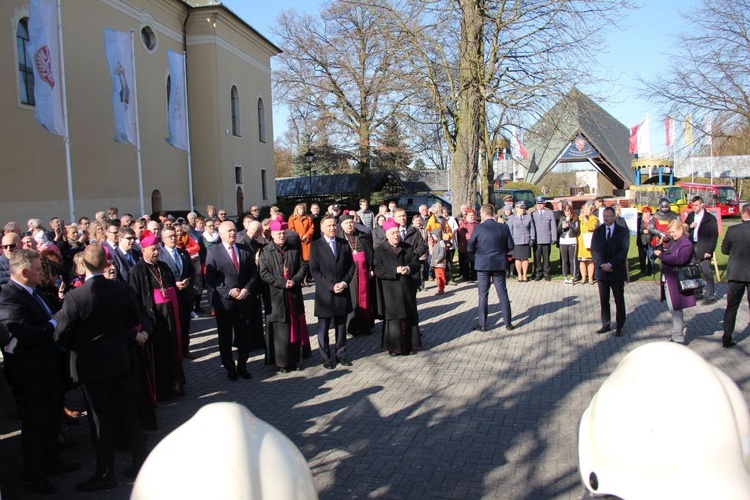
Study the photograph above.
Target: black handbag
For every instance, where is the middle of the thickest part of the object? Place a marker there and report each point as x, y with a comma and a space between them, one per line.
690, 277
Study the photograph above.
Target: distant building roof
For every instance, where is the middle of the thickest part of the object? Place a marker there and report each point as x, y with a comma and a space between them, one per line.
576, 114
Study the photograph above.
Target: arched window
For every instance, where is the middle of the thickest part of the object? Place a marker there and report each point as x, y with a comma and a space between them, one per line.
236, 125
25, 68
261, 121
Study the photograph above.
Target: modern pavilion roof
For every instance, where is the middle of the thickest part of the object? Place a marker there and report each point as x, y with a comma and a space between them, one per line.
577, 114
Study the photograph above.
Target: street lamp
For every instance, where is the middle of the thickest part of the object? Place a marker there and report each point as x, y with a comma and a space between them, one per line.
309, 157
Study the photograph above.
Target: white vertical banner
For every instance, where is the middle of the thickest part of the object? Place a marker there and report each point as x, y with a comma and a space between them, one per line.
177, 113
644, 137
44, 52
118, 51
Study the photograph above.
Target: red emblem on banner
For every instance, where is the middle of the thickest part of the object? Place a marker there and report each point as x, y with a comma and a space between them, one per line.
580, 143
43, 62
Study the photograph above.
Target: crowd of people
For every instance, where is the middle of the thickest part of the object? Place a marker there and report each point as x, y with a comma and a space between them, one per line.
112, 298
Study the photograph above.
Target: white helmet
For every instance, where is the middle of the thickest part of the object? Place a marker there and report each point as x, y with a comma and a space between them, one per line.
225, 451
666, 424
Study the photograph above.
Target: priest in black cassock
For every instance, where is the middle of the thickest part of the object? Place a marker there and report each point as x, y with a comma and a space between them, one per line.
282, 271
154, 285
398, 267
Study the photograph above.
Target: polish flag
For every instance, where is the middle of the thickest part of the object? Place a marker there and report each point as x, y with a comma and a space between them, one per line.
516, 147
640, 138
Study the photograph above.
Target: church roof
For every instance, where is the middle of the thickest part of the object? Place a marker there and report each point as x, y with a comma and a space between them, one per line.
575, 114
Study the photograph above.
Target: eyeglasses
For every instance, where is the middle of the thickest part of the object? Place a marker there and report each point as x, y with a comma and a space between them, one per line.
255, 209
9, 247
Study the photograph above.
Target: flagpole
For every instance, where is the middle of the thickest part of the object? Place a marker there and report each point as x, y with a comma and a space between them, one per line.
187, 128
66, 139
137, 123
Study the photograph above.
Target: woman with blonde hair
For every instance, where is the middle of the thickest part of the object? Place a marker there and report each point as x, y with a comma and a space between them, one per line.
677, 252
302, 224
587, 223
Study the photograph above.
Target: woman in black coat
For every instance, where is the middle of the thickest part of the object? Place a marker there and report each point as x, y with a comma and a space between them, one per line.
282, 270
398, 267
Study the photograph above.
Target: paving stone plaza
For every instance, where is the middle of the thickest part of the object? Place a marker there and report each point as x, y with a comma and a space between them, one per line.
473, 415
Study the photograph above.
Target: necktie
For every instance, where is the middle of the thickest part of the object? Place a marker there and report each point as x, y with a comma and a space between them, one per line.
609, 233
42, 303
403, 233
177, 262
129, 258
333, 246
235, 262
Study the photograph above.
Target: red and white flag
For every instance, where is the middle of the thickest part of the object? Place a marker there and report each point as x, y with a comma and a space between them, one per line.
44, 53
119, 54
669, 130
640, 138
516, 147
709, 129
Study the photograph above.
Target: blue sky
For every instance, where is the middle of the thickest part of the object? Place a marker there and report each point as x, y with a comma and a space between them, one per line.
638, 46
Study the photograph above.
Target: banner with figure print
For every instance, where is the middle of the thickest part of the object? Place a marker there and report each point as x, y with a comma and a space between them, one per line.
44, 52
176, 115
118, 50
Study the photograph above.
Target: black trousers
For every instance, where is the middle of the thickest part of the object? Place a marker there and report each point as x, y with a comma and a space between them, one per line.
107, 399
233, 322
541, 259
735, 292
39, 406
339, 326
618, 290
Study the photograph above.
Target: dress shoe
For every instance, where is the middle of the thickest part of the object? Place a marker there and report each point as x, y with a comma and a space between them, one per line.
537, 278
708, 302
478, 328
729, 344
99, 481
603, 329
618, 332
40, 486
242, 372
393, 354
189, 355
63, 466
232, 375
547, 278
509, 327
345, 362
327, 365
284, 370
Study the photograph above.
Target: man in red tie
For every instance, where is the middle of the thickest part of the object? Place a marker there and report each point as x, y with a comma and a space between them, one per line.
232, 274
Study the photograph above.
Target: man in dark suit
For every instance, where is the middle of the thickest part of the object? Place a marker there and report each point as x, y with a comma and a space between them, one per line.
232, 274
98, 321
490, 243
33, 363
736, 244
704, 233
178, 261
332, 266
609, 249
125, 256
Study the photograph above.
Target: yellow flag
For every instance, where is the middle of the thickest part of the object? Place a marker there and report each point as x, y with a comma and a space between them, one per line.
689, 131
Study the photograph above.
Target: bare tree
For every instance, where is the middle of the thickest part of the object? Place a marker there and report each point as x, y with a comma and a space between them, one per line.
487, 64
341, 69
709, 70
